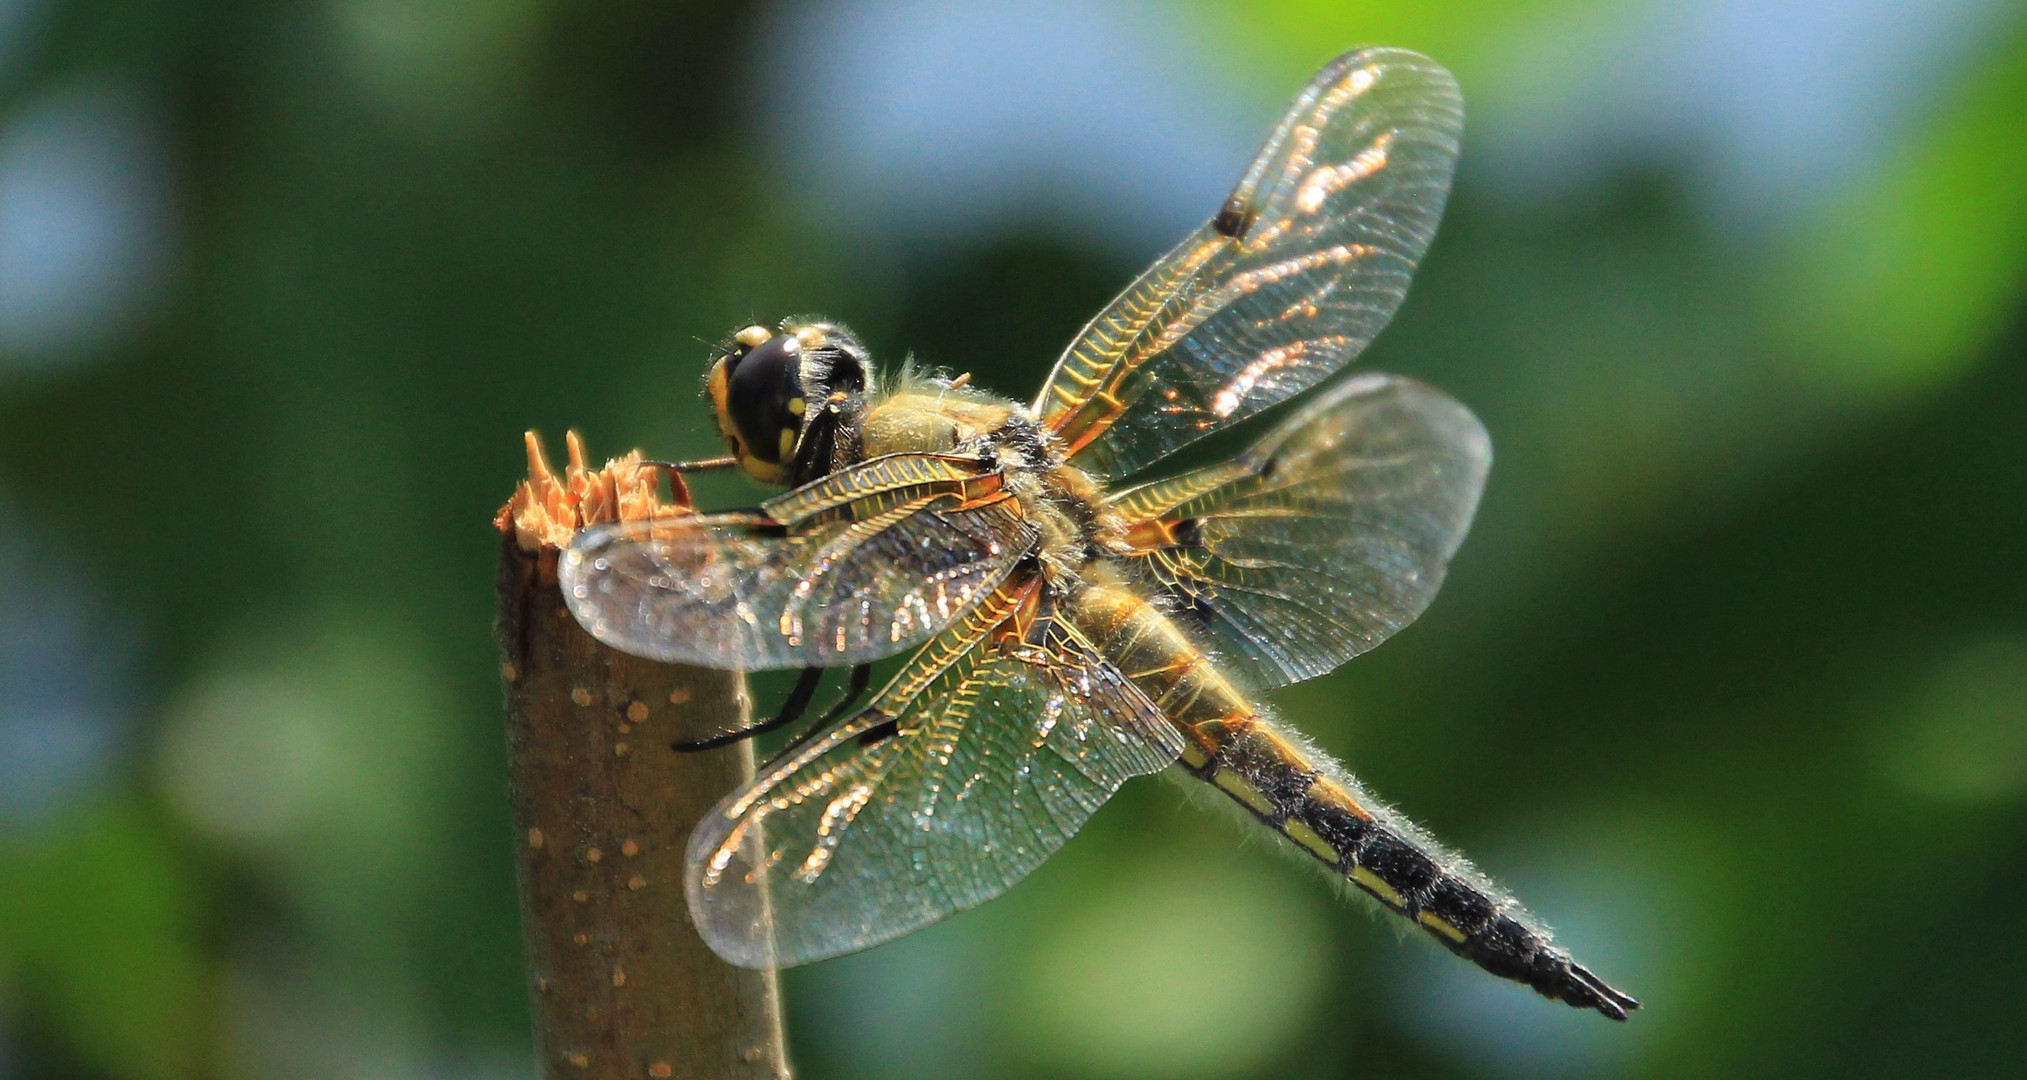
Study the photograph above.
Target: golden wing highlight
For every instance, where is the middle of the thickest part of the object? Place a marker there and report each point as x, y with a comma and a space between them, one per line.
978, 761
863, 564
1301, 269
1323, 540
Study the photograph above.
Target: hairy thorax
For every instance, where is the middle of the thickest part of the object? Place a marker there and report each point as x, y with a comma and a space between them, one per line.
1064, 504
933, 420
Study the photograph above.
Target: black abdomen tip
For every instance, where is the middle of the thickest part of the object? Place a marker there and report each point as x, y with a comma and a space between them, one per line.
1584, 990
1511, 949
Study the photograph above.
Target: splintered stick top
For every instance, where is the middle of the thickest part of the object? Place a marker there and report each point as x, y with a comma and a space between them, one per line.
547, 509
619, 984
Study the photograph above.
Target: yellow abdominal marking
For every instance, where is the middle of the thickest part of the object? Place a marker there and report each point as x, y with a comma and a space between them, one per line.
1370, 882
1307, 837
797, 406
1440, 926
1246, 793
787, 443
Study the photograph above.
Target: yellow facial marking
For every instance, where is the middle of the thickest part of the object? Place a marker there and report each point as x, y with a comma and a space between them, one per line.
715, 389
764, 471
1239, 789
1440, 926
1307, 837
787, 444
753, 337
797, 406
1370, 882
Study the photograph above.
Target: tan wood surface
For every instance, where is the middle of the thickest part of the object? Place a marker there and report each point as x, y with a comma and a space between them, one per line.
620, 985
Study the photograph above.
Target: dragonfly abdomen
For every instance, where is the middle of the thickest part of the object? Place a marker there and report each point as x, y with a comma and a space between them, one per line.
1304, 796
1313, 802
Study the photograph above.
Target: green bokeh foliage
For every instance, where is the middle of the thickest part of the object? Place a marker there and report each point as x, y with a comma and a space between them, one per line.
1751, 499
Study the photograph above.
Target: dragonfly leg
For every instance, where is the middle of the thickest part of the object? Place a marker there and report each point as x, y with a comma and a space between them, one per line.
862, 677
679, 489
791, 711
701, 465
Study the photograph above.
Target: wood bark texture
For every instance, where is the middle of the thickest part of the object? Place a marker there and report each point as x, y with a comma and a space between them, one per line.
620, 985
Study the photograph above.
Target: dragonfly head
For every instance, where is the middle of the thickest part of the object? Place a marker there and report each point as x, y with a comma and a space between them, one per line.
788, 400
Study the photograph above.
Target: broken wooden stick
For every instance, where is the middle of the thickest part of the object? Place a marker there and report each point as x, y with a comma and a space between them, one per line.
620, 985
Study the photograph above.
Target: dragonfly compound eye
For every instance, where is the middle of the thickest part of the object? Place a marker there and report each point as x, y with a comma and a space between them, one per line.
764, 397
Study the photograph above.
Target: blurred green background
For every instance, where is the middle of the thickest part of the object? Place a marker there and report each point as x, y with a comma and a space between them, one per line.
1730, 681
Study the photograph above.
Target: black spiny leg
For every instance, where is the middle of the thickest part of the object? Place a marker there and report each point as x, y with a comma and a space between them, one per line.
791, 711
862, 677
702, 465
679, 489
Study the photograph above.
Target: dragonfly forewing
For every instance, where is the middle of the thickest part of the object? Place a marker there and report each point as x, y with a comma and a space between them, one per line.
981, 758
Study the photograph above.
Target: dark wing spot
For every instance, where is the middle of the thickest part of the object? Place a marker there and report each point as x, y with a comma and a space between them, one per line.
1235, 218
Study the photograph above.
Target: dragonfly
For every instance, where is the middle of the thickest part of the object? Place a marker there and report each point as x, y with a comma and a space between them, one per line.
1067, 626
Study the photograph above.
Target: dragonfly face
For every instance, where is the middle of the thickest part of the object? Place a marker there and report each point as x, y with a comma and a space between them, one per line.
1065, 634
783, 396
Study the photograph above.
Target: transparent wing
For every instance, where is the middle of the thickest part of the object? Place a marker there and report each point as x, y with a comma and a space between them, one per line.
1326, 537
860, 565
1305, 264
977, 762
